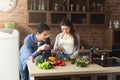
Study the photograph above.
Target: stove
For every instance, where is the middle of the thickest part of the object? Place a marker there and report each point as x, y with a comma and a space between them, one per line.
109, 62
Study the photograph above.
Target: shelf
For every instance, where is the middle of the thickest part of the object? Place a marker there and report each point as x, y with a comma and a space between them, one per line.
58, 12
32, 24
80, 12
37, 11
86, 12
78, 5
97, 12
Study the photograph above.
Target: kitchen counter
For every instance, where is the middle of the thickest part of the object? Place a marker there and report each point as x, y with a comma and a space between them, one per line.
72, 70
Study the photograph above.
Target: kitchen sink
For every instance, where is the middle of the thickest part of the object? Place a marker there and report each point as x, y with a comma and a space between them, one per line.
109, 62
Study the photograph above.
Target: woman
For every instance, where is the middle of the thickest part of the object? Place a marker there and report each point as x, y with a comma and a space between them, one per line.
67, 42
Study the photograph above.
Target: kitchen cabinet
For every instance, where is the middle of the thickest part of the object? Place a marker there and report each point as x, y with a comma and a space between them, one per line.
112, 41
80, 12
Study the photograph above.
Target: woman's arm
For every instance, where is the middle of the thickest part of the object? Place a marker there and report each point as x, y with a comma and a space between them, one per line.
77, 48
55, 47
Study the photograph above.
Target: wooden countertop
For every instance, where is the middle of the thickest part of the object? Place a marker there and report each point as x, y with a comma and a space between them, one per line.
70, 69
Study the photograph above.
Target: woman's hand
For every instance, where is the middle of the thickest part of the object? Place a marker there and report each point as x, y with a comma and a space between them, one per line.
60, 48
72, 56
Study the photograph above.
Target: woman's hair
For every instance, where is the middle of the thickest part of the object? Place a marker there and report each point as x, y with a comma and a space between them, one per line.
41, 27
68, 23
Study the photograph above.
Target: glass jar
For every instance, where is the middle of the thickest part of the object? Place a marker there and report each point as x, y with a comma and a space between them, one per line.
83, 8
71, 7
56, 7
77, 7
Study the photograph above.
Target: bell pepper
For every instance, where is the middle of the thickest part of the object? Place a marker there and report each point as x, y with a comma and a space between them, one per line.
51, 58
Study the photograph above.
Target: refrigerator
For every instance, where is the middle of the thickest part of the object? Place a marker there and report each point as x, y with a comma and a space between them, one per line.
9, 54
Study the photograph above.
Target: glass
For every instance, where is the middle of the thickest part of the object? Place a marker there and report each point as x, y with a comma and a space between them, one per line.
77, 7
56, 7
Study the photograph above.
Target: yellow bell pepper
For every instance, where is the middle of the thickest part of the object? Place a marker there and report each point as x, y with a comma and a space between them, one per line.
51, 58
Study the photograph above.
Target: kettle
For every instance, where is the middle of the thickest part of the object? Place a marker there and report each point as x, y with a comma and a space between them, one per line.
103, 57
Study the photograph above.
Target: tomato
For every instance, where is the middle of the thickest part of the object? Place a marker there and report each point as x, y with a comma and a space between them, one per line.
59, 61
62, 64
55, 63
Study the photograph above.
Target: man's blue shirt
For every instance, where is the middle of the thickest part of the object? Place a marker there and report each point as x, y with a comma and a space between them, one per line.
29, 49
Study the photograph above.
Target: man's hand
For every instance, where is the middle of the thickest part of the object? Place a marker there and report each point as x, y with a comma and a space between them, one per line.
31, 59
43, 47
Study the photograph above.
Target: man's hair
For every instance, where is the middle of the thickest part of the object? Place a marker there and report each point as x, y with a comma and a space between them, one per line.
41, 27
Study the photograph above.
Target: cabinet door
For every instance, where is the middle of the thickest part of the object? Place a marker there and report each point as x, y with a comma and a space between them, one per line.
97, 12
36, 17
78, 18
97, 18
56, 18
80, 12
37, 11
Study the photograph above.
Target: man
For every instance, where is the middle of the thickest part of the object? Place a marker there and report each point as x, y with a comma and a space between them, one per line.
34, 44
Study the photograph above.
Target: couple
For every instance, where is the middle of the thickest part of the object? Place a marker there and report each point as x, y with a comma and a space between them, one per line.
34, 44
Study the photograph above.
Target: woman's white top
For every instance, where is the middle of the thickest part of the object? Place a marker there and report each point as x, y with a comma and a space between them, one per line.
68, 45
57, 43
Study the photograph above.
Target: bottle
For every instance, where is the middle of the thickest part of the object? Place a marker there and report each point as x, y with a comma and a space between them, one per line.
91, 56
94, 7
83, 8
43, 5
77, 7
31, 4
34, 5
110, 24
56, 7
64, 5
40, 5
71, 7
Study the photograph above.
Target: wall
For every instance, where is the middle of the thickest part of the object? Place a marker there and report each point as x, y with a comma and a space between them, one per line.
19, 16
87, 33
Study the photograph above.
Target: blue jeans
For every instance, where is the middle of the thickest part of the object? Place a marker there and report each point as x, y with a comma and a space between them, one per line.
24, 74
